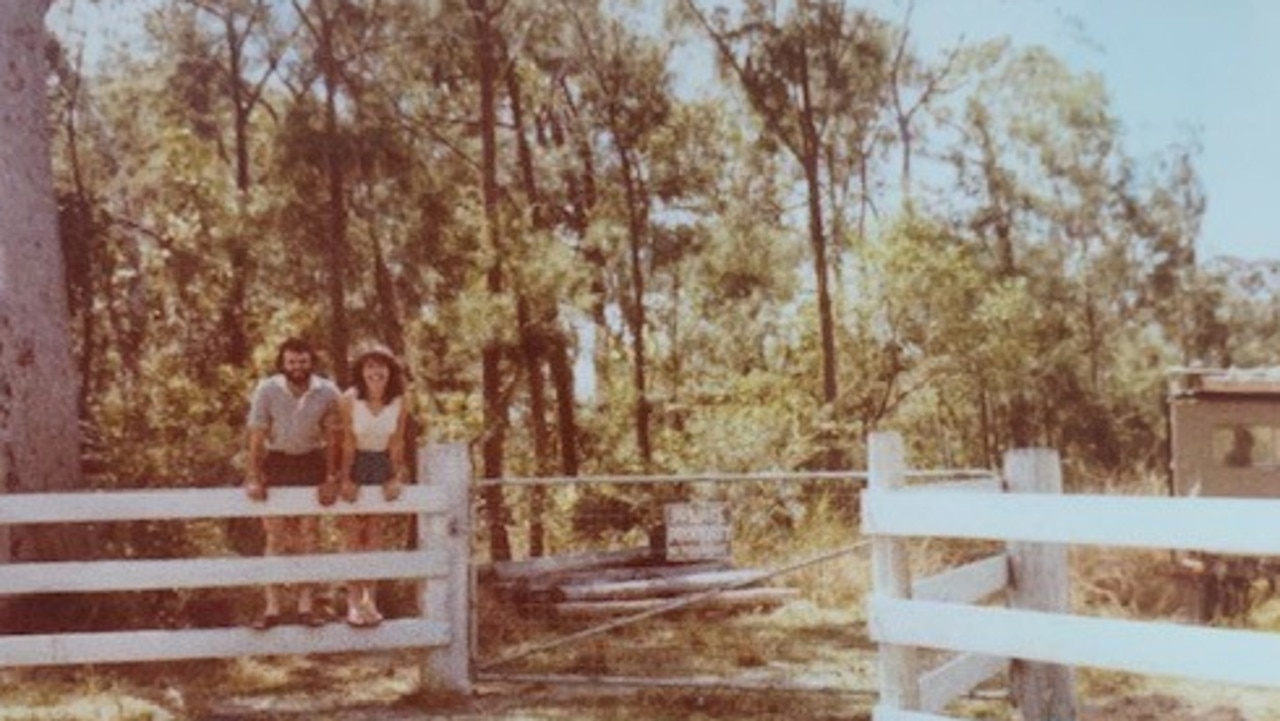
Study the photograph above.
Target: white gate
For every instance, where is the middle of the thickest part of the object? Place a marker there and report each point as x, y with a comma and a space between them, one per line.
942, 612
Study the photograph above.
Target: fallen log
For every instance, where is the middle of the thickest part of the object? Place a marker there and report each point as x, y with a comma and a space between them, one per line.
726, 601
621, 574
536, 567
659, 587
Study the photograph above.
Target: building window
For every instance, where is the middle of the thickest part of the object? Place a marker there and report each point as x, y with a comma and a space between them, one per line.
1242, 445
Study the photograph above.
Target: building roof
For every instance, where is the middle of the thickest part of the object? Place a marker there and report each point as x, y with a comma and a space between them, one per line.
1224, 381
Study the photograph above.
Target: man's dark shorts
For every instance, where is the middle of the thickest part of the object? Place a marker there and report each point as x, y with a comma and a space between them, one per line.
288, 469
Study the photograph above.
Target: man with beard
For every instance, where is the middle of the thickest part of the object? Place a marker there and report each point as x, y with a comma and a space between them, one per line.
292, 418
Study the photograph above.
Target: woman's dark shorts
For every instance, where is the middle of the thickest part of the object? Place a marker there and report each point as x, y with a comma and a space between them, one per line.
372, 467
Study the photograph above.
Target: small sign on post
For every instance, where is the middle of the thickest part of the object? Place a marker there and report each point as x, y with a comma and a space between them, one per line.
698, 531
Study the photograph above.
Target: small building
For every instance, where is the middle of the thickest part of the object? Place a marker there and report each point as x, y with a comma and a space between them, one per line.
1224, 432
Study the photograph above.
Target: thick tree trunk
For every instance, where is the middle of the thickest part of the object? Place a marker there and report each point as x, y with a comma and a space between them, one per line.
39, 423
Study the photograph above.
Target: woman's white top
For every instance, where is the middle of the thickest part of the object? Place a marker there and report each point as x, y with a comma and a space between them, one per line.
373, 430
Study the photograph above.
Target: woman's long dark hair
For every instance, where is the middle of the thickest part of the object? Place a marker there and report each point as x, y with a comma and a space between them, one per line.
395, 381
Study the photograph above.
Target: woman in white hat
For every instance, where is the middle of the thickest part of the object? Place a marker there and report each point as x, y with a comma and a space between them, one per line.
375, 416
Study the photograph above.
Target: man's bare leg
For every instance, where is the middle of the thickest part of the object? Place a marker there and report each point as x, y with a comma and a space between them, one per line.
305, 532
276, 544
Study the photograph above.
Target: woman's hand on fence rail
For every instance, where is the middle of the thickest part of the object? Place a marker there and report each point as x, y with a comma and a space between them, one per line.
348, 490
255, 489
392, 489
327, 492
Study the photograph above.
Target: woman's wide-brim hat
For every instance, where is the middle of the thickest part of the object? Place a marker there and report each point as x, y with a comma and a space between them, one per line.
366, 351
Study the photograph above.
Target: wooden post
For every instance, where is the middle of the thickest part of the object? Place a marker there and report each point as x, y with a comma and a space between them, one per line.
448, 465
891, 574
1040, 581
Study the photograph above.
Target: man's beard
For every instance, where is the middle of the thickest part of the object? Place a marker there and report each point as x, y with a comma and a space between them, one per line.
298, 377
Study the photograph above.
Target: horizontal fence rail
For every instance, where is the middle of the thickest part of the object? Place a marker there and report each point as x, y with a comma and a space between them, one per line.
165, 645
196, 503
150, 575
1146, 647
1221, 525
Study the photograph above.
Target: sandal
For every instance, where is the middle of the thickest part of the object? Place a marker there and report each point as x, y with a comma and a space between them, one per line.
310, 618
265, 621
356, 619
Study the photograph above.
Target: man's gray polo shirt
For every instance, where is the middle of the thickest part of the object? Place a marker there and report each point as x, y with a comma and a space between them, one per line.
294, 424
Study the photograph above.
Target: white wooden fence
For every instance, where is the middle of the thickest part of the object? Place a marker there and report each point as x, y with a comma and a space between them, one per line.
441, 562
941, 612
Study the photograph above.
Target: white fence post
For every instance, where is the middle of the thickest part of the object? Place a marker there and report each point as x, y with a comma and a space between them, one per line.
5, 549
891, 573
1040, 581
448, 465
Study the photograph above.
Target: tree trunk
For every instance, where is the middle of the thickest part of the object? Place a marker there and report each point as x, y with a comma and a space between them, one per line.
810, 159
339, 334
636, 229
391, 330
826, 316
80, 242
235, 313
532, 333
566, 419
39, 423
495, 421
532, 347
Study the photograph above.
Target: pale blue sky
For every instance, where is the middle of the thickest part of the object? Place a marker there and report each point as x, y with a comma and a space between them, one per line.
1171, 67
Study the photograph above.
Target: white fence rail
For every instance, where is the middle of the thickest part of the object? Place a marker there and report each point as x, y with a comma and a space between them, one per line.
939, 612
441, 504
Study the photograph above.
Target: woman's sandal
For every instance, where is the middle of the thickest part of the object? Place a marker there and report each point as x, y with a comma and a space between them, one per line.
310, 618
363, 617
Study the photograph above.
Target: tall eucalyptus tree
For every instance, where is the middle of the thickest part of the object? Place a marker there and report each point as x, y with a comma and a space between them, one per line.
817, 81
246, 61
39, 423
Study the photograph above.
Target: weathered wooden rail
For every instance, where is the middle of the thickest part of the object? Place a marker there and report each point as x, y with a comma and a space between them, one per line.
1035, 637
440, 564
